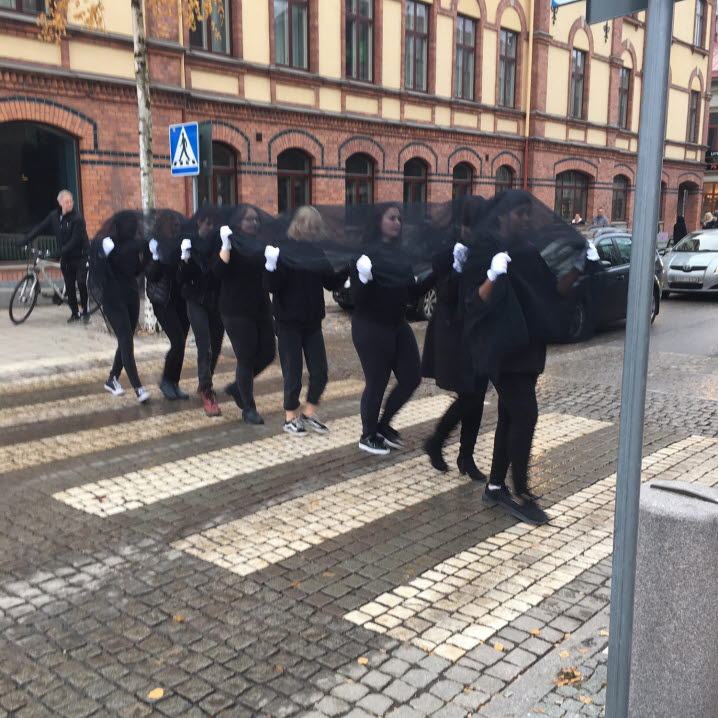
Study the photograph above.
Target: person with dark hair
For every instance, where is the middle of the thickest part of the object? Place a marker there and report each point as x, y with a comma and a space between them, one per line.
679, 230
297, 273
244, 306
163, 291
115, 262
382, 283
511, 292
445, 358
200, 289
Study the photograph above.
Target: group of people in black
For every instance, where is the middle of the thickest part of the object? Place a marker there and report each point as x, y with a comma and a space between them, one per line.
494, 289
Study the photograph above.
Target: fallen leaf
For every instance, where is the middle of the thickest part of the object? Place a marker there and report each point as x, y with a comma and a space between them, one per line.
329, 574
563, 654
603, 632
538, 710
499, 646
585, 699
568, 675
159, 661
175, 651
604, 684
567, 635
296, 584
156, 694
350, 680
362, 661
583, 650
279, 669
410, 571
101, 498
178, 618
315, 503
534, 632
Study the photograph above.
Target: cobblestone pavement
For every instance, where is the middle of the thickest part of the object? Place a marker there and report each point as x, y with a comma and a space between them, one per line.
157, 562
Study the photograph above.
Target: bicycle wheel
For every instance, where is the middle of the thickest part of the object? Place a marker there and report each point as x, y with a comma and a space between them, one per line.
24, 298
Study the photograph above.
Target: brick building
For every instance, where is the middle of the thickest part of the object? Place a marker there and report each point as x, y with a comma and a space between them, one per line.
329, 101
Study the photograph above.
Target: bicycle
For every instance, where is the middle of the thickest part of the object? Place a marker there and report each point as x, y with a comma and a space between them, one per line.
29, 288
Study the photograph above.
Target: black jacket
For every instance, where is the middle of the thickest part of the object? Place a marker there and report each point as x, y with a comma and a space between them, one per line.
69, 229
162, 281
242, 293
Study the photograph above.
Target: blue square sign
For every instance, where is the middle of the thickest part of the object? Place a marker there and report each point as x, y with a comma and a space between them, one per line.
184, 149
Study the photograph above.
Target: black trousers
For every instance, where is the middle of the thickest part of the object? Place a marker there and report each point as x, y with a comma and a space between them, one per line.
208, 332
518, 414
74, 272
467, 409
384, 349
122, 312
253, 344
292, 343
175, 323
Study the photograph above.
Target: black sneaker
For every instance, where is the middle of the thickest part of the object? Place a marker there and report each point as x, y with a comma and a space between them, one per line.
391, 436
374, 445
530, 512
167, 388
113, 386
492, 497
311, 422
85, 318
73, 318
295, 427
178, 392
251, 416
233, 391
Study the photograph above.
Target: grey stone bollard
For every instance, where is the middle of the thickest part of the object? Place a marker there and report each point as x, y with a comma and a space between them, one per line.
674, 668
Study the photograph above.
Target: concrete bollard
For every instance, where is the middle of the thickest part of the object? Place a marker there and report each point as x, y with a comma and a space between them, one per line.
674, 668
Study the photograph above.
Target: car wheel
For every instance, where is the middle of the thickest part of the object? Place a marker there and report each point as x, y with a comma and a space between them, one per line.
654, 305
578, 326
665, 294
427, 305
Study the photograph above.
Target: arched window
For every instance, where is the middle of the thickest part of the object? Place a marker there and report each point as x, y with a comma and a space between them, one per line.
359, 179
37, 162
619, 204
221, 188
571, 194
415, 174
294, 179
505, 176
462, 182
688, 202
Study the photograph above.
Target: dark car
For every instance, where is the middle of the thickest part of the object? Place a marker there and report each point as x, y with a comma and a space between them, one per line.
423, 308
602, 298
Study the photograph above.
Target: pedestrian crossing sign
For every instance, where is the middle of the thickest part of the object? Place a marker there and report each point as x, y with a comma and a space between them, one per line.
184, 149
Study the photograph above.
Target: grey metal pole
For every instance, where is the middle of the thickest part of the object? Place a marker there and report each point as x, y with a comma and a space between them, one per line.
635, 362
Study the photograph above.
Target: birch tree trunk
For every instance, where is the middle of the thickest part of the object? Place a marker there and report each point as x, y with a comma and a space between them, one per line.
144, 113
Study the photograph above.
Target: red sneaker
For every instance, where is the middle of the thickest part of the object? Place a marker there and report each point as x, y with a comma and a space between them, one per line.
209, 399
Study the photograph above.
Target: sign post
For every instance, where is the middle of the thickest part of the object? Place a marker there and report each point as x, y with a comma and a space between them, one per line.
651, 140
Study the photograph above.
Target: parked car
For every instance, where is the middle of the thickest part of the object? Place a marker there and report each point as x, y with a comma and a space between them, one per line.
692, 265
602, 298
423, 308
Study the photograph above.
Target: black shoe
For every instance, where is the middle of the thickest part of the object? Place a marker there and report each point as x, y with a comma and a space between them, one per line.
167, 387
73, 318
467, 466
251, 416
391, 436
178, 392
496, 496
432, 447
233, 391
85, 318
374, 445
530, 512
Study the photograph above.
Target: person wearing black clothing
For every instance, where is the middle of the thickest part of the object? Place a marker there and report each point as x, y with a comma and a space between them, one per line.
244, 306
170, 308
116, 263
382, 284
68, 226
679, 230
298, 306
200, 289
443, 349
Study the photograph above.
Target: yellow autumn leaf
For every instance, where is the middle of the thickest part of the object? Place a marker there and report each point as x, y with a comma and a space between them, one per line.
329, 574
583, 650
563, 654
534, 632
363, 661
585, 699
178, 618
156, 694
602, 632
296, 584
499, 646
279, 669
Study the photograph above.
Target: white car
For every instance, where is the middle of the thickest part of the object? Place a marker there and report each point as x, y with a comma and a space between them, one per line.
692, 265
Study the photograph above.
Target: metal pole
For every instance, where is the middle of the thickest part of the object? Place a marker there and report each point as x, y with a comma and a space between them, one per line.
635, 362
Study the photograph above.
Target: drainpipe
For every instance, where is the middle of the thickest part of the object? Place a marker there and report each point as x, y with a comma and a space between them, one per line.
529, 73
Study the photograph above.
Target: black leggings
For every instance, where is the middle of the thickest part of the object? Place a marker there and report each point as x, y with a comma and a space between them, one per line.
292, 343
74, 272
208, 334
469, 410
383, 349
175, 323
518, 414
122, 313
253, 344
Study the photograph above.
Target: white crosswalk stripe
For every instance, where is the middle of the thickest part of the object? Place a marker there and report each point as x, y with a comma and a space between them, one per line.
463, 601
269, 536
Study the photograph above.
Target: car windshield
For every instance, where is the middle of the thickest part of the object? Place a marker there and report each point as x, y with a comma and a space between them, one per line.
698, 242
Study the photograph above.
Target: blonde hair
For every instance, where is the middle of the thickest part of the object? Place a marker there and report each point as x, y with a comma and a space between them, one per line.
708, 217
307, 223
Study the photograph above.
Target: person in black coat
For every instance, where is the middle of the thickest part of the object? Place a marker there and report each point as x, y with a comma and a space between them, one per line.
297, 275
382, 284
443, 349
116, 262
679, 230
68, 226
200, 289
244, 306
163, 290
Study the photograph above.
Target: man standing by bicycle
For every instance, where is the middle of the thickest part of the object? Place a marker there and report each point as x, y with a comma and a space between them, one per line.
68, 226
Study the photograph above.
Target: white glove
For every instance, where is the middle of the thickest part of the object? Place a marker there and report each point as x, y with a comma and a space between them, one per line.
185, 247
107, 245
460, 253
364, 269
592, 252
271, 254
225, 233
499, 266
153, 249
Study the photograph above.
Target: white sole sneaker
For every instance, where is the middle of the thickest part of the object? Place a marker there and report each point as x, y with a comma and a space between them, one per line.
373, 450
143, 395
117, 390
